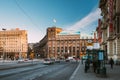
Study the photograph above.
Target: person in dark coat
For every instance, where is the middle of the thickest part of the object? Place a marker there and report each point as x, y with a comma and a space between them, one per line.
87, 65
94, 66
111, 63
82, 60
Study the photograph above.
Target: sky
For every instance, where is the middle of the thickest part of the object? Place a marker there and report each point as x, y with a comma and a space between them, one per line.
36, 16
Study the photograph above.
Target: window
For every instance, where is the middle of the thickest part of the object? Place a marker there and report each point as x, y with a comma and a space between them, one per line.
70, 49
114, 48
58, 49
73, 41
118, 25
65, 49
78, 47
73, 49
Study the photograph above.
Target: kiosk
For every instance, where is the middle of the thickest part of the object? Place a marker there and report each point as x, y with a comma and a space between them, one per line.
99, 57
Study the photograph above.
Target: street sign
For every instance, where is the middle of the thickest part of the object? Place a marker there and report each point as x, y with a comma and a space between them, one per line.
89, 43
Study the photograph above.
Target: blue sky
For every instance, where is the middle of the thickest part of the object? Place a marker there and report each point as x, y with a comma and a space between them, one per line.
36, 16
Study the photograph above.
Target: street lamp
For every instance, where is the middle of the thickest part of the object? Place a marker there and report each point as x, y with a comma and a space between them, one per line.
3, 51
21, 50
3, 45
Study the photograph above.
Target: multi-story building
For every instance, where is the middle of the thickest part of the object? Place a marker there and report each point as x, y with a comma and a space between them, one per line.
13, 43
63, 44
110, 27
99, 32
60, 44
102, 36
116, 27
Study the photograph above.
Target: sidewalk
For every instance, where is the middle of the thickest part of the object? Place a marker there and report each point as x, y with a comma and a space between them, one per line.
79, 74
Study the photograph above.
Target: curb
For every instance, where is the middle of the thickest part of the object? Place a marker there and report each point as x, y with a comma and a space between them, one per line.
74, 73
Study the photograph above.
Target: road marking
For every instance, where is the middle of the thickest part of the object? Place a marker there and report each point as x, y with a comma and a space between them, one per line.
74, 73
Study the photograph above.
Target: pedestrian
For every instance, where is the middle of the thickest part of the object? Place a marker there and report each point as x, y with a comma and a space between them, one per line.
87, 65
111, 63
94, 66
82, 60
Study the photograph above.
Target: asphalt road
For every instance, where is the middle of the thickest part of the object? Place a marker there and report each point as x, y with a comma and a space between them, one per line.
62, 73
57, 71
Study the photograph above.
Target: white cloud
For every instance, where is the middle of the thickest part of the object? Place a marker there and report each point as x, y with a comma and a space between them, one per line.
54, 20
35, 36
86, 21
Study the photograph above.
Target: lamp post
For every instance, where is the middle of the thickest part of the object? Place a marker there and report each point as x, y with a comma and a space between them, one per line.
3, 51
3, 45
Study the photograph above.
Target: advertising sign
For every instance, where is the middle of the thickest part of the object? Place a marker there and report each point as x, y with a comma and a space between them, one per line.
100, 56
90, 47
96, 46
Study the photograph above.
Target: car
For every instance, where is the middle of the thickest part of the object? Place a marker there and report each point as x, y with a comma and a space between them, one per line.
47, 61
52, 61
67, 60
57, 60
20, 60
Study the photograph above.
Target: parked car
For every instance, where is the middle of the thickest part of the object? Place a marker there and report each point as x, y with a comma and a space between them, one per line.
20, 60
67, 60
57, 60
52, 61
47, 61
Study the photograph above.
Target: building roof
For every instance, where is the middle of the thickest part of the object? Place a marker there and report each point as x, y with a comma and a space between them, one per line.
69, 33
86, 36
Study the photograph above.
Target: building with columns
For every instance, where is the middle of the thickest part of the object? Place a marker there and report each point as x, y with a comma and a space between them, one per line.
61, 44
110, 26
13, 44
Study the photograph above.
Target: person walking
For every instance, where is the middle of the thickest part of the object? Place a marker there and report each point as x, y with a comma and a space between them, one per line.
94, 66
111, 63
87, 65
82, 60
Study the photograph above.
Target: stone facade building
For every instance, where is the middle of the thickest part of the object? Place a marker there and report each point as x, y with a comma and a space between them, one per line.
60, 44
13, 43
110, 26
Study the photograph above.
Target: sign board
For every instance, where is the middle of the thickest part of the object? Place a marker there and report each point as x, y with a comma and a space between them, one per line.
90, 47
100, 56
96, 46
89, 43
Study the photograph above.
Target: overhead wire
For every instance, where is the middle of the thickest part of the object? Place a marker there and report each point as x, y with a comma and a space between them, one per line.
28, 16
